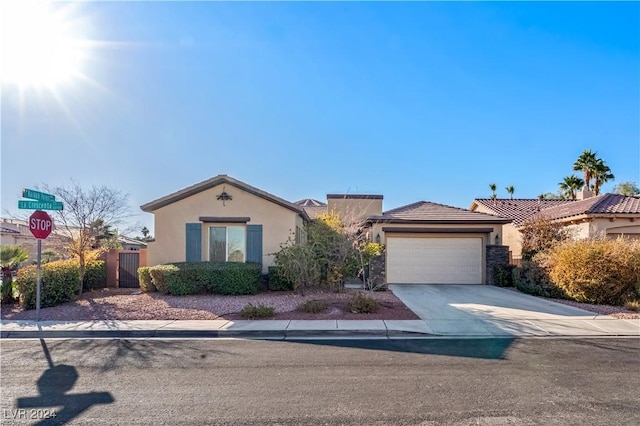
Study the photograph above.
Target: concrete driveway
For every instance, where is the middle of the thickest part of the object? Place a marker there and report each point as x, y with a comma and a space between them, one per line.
481, 310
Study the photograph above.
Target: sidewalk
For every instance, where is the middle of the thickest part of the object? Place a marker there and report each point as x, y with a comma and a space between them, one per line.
589, 326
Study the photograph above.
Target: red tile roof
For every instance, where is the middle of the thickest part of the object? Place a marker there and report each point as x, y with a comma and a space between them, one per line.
519, 209
425, 211
605, 204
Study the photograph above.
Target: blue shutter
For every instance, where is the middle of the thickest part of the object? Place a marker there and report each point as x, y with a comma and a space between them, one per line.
194, 242
254, 243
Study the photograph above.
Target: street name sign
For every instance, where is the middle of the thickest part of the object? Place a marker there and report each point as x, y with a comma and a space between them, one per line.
40, 205
37, 195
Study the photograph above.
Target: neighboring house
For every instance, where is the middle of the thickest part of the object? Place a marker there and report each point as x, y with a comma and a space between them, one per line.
16, 232
223, 219
131, 243
610, 215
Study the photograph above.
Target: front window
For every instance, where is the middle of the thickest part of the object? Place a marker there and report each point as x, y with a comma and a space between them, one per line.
227, 243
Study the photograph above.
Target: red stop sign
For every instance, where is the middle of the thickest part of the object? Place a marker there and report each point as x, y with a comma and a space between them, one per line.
40, 224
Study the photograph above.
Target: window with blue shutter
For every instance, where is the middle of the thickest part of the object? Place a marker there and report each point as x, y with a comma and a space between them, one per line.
254, 243
194, 242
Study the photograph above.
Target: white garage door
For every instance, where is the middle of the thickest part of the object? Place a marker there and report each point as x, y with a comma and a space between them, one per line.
434, 260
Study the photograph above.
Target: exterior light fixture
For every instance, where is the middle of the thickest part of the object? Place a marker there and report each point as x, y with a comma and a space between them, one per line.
378, 238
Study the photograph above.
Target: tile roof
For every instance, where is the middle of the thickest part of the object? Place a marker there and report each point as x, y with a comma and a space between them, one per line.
312, 207
519, 209
214, 181
428, 212
605, 204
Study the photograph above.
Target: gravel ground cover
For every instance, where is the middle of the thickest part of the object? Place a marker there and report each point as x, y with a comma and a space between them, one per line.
128, 304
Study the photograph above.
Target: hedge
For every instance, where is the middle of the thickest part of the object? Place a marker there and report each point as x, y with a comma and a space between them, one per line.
277, 282
146, 282
95, 275
597, 271
60, 283
186, 278
532, 278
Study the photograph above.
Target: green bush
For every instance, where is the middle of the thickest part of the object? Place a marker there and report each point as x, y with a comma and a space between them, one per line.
95, 275
185, 278
313, 306
277, 282
60, 283
160, 274
503, 276
532, 278
597, 271
251, 311
146, 282
360, 303
7, 290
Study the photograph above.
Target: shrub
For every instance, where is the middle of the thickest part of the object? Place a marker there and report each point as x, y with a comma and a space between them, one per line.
95, 275
185, 278
313, 306
360, 303
597, 271
503, 276
159, 276
60, 283
146, 282
251, 311
532, 278
277, 281
632, 305
7, 290
540, 234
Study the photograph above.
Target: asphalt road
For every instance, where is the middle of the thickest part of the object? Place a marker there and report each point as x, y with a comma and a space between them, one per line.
363, 382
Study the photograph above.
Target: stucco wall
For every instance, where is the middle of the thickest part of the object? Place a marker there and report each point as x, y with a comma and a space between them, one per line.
604, 226
278, 223
354, 209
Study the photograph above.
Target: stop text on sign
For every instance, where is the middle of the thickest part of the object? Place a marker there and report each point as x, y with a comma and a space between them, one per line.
40, 224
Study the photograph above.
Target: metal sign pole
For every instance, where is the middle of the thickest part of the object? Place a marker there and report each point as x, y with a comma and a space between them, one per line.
38, 284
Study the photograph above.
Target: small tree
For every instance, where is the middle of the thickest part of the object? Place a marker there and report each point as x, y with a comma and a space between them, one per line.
87, 211
570, 186
510, 190
539, 234
627, 188
10, 258
493, 187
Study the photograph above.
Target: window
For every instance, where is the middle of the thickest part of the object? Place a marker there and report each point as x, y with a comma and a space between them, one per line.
227, 243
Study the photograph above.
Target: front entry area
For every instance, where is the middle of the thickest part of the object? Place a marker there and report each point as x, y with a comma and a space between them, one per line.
434, 260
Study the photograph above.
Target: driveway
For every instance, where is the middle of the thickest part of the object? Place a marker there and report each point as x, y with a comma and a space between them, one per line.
481, 310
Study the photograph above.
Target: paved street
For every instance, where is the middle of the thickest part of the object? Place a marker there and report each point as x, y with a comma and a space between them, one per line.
421, 381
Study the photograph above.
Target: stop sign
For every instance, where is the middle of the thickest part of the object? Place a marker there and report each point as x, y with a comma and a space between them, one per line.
40, 224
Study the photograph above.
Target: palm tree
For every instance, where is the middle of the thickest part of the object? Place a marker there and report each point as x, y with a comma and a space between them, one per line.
570, 186
601, 175
510, 190
586, 164
493, 187
10, 257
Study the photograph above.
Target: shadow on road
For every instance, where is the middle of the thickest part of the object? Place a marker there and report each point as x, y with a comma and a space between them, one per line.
489, 348
53, 387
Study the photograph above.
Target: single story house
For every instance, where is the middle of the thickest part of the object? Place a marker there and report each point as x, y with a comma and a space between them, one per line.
609, 215
224, 219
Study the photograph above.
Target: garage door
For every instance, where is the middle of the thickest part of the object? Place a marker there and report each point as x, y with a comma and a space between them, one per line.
434, 260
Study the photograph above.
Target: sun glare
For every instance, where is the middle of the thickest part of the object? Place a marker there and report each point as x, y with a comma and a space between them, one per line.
39, 45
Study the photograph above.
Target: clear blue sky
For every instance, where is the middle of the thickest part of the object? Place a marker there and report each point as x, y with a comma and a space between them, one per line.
415, 101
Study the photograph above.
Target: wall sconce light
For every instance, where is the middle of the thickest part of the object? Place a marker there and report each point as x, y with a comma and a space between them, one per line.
378, 238
497, 239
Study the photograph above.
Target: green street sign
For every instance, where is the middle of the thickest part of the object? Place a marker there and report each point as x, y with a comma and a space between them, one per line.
37, 195
39, 205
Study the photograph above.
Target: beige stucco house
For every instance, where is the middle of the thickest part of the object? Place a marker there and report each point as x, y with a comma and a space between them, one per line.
608, 215
224, 219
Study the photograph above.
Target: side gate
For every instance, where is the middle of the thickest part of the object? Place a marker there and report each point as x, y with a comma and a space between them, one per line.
128, 263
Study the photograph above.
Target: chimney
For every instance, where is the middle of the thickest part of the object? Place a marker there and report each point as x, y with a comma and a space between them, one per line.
584, 194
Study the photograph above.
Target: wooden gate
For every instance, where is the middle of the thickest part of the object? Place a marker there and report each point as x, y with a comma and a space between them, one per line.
128, 263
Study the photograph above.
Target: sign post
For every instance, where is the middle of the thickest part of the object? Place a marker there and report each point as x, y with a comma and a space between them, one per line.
40, 225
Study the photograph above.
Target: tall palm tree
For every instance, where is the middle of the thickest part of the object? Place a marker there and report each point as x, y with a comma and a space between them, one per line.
493, 187
570, 186
601, 175
586, 164
510, 190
